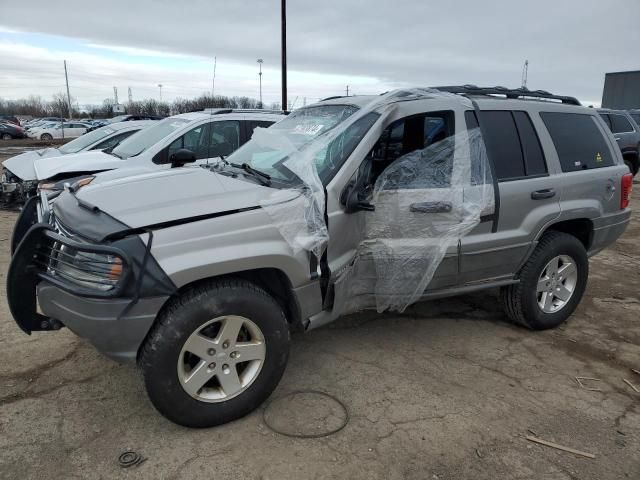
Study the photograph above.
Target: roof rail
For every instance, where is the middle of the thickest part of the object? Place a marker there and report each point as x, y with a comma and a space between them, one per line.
522, 92
220, 111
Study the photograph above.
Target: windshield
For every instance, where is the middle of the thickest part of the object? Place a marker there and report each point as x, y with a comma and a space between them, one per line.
85, 140
141, 141
267, 152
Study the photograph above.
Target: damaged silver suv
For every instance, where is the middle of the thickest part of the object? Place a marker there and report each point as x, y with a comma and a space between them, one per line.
199, 273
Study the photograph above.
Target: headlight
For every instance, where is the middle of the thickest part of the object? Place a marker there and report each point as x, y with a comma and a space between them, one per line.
87, 269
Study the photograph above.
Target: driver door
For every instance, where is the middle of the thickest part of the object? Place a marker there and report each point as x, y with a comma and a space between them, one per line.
402, 238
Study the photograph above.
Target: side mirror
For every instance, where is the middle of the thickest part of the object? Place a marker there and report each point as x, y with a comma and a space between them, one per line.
352, 199
182, 157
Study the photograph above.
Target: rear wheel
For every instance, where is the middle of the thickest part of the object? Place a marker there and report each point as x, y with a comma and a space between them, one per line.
46, 136
215, 354
552, 283
6, 136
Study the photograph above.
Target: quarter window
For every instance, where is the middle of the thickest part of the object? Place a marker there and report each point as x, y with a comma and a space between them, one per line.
578, 141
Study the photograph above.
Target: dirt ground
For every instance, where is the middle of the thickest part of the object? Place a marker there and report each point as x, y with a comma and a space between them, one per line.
447, 390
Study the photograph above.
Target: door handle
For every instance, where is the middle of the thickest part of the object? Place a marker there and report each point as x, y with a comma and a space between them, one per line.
542, 194
430, 207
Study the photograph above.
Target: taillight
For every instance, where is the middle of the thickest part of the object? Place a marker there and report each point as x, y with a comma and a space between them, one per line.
626, 185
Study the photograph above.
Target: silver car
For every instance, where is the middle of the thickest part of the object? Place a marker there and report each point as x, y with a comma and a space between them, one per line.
199, 273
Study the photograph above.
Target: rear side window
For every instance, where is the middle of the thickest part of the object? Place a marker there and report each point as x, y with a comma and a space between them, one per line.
578, 141
512, 143
533, 157
620, 124
503, 144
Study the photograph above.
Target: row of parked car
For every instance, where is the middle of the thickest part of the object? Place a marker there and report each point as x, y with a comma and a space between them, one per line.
197, 244
48, 128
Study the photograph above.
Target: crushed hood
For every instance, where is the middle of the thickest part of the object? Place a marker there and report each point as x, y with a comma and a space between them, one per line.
22, 165
92, 161
170, 195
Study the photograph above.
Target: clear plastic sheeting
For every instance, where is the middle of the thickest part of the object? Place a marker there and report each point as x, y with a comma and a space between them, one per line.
424, 202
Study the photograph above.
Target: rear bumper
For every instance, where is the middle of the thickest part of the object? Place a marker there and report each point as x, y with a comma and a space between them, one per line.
114, 327
607, 229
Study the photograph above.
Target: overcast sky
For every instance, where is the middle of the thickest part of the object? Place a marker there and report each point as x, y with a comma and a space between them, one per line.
371, 45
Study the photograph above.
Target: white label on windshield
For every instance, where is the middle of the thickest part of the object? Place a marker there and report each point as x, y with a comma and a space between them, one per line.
308, 129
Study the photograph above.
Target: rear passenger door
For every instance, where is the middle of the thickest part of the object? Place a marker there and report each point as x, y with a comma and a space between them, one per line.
529, 196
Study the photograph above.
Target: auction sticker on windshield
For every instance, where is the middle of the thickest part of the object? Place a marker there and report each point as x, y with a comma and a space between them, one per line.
308, 129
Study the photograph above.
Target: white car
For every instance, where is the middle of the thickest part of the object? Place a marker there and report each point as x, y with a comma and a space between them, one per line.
59, 130
197, 137
19, 177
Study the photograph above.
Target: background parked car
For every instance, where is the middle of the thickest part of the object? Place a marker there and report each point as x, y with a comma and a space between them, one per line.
41, 121
128, 118
60, 130
19, 176
10, 130
627, 134
11, 119
635, 114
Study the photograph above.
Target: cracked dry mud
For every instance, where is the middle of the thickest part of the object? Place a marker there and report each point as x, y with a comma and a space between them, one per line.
447, 390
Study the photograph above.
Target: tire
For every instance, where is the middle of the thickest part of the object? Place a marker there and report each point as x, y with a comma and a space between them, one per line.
165, 355
46, 136
6, 136
521, 300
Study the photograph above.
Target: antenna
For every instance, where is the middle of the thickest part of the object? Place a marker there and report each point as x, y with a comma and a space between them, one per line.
525, 73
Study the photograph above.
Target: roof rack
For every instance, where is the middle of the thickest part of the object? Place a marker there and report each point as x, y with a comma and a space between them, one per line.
220, 111
508, 93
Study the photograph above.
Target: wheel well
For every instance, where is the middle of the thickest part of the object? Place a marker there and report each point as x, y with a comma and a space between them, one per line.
581, 228
272, 280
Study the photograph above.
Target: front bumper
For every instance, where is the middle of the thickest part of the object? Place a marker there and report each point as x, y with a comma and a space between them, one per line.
111, 325
116, 321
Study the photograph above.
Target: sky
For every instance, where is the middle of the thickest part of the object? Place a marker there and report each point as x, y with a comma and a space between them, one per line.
371, 45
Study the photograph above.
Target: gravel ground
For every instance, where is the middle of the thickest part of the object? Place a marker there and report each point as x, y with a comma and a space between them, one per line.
447, 390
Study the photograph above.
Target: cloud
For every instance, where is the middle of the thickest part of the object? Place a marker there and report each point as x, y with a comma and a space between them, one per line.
370, 45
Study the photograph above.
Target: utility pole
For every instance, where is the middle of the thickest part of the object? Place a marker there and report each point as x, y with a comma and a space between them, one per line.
160, 87
130, 95
66, 77
347, 90
283, 54
115, 95
260, 61
525, 73
213, 81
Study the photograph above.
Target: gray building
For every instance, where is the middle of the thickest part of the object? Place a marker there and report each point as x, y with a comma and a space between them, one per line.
621, 90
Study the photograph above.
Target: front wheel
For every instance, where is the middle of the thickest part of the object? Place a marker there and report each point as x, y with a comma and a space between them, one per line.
6, 136
215, 354
46, 136
552, 283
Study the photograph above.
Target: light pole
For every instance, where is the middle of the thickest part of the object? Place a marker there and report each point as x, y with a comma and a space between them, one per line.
160, 87
260, 62
283, 54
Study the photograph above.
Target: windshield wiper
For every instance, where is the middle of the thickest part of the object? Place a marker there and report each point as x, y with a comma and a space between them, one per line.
263, 178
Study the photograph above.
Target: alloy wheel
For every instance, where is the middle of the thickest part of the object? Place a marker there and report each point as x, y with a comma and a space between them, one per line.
221, 359
556, 283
